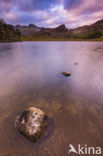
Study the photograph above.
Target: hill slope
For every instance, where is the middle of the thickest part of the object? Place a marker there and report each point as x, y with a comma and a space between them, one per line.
89, 32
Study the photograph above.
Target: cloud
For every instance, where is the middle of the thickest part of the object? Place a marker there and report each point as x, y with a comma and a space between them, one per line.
29, 5
50, 13
36, 4
88, 6
69, 4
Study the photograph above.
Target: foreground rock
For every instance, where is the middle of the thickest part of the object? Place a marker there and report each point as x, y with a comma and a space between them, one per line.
32, 123
66, 73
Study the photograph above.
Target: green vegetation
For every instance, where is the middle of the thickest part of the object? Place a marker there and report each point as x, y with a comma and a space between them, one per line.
32, 38
8, 32
95, 34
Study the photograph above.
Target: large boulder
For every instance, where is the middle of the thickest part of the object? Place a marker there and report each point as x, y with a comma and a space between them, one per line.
32, 123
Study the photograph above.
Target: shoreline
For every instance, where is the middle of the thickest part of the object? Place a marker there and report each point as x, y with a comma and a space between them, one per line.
51, 40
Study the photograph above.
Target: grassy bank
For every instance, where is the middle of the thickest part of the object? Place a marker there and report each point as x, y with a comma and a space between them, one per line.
58, 39
48, 39
10, 40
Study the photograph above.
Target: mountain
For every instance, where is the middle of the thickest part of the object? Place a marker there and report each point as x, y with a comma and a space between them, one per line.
33, 32
29, 30
8, 32
92, 31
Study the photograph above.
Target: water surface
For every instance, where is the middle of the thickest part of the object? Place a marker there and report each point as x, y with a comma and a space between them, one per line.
30, 75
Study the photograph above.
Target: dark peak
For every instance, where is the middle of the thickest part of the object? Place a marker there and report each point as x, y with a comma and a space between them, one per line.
17, 26
42, 28
99, 22
32, 25
61, 28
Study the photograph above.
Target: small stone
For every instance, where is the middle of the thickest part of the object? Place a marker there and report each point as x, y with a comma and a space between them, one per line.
32, 123
76, 63
66, 73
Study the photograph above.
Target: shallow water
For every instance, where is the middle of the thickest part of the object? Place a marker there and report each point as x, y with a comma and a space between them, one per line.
30, 75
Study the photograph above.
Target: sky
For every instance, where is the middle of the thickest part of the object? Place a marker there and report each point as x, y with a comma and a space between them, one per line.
51, 13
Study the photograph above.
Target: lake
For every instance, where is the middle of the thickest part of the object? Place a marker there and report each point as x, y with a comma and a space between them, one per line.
30, 75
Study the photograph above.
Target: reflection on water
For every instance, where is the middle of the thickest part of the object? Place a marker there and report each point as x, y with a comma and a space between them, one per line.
30, 76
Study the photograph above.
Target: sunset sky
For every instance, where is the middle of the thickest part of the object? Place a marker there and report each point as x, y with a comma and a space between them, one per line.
50, 13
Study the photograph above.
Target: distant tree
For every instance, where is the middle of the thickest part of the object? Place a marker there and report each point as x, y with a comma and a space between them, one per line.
8, 32
2, 20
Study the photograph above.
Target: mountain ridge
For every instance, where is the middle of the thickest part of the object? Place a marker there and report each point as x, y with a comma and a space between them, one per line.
32, 32
92, 31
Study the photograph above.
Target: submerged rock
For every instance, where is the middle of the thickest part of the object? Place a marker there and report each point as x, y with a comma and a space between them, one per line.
32, 123
66, 73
